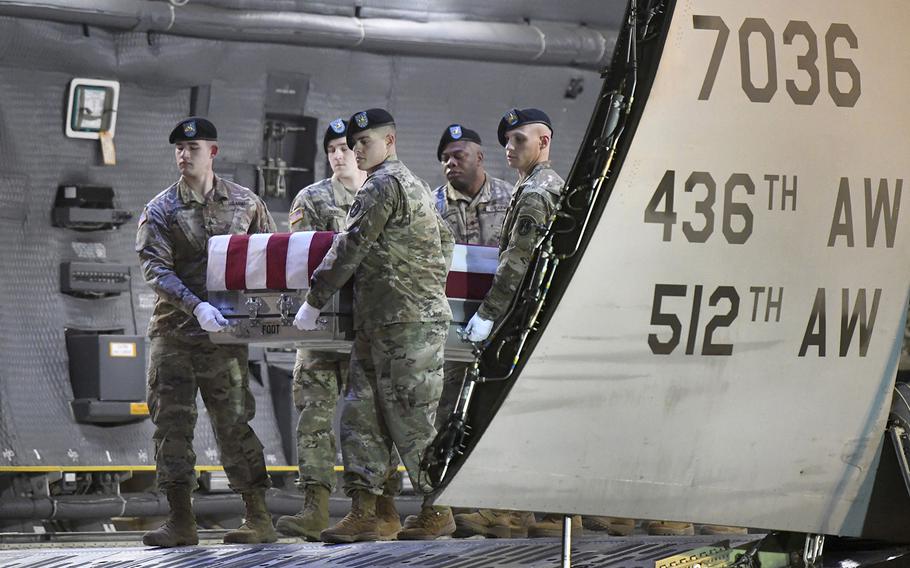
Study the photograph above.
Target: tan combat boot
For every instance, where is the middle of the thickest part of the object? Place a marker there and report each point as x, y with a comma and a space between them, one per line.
358, 525
720, 530
550, 526
180, 527
490, 523
519, 521
388, 517
669, 528
312, 519
257, 524
613, 526
430, 524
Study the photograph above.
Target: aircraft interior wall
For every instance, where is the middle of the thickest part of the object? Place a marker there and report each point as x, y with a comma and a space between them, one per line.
157, 74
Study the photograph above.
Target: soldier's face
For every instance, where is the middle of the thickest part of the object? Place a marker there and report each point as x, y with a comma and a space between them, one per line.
525, 144
371, 148
461, 162
194, 157
341, 158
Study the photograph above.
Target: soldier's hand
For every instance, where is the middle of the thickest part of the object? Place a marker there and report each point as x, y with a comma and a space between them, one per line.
478, 328
210, 319
306, 317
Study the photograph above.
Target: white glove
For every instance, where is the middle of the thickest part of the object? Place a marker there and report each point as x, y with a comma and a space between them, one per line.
210, 319
478, 328
306, 317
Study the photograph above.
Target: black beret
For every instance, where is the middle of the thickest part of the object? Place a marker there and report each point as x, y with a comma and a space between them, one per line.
193, 128
452, 133
338, 128
519, 117
367, 120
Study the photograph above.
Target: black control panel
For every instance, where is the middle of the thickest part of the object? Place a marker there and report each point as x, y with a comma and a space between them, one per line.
94, 279
87, 208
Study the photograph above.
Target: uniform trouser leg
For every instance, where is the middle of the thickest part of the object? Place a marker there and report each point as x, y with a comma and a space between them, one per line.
454, 372
222, 374
391, 397
317, 377
172, 408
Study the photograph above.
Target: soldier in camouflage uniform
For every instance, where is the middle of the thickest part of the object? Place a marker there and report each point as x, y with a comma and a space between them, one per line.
398, 249
172, 238
318, 375
473, 204
526, 135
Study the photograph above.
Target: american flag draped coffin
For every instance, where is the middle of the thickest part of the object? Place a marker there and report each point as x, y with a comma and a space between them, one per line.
259, 281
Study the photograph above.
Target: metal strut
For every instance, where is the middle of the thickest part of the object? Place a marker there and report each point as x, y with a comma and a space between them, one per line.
567, 541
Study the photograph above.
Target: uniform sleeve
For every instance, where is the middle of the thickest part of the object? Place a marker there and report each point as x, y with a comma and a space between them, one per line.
446, 239
262, 220
302, 216
156, 258
371, 210
532, 211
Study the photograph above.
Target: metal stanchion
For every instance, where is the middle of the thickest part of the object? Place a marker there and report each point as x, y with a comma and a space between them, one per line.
567, 541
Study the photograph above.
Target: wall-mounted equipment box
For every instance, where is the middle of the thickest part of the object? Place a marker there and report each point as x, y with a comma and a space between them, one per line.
91, 108
107, 373
87, 208
94, 279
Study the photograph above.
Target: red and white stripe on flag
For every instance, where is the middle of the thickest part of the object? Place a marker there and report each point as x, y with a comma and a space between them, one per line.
266, 261
286, 261
471, 273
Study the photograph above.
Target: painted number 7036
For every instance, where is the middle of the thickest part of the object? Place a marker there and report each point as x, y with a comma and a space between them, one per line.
808, 87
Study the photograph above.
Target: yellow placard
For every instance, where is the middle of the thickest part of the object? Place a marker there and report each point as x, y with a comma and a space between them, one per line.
139, 408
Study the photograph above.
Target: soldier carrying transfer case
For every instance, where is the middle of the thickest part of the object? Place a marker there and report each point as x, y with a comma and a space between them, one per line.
398, 250
318, 375
526, 135
473, 204
172, 240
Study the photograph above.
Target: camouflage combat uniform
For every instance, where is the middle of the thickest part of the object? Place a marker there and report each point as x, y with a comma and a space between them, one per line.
477, 220
398, 250
533, 203
473, 221
172, 240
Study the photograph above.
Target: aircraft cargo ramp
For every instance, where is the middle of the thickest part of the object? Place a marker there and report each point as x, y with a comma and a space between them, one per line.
587, 551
